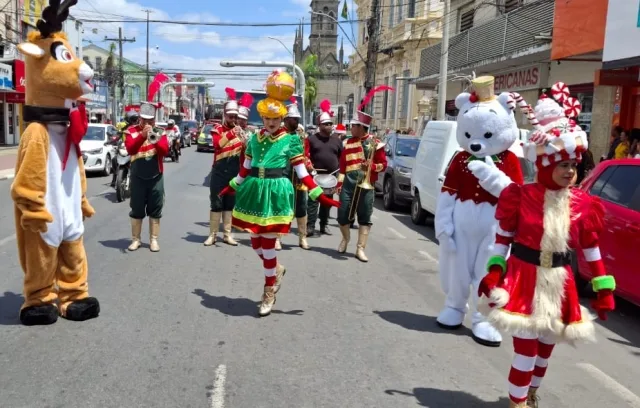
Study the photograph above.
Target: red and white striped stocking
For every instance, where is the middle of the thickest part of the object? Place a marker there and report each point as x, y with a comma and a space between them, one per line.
545, 347
524, 361
269, 260
256, 244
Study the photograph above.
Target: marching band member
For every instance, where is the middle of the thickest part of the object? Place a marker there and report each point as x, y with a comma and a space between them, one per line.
264, 194
228, 143
324, 152
244, 109
147, 149
363, 153
532, 295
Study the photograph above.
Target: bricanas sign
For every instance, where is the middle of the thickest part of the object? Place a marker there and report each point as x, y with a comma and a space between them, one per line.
520, 79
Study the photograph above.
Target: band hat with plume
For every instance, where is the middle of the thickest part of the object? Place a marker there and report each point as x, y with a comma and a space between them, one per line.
279, 86
245, 106
326, 115
340, 129
231, 106
365, 119
292, 109
147, 110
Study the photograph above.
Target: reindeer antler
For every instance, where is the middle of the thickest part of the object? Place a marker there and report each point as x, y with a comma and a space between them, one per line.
53, 16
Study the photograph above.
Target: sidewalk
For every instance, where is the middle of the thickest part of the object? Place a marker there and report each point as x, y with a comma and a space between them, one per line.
7, 162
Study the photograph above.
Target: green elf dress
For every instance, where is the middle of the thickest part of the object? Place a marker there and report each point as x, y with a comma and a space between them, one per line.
265, 199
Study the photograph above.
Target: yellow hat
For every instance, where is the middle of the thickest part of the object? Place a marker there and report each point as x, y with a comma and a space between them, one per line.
280, 86
484, 88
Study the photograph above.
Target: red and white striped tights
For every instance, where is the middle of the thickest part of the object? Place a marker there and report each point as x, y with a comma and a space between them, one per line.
529, 365
265, 247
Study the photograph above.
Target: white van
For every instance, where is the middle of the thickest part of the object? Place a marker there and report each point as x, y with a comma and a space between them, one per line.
437, 147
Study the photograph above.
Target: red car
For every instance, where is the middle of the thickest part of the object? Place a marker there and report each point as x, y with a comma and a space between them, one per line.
617, 183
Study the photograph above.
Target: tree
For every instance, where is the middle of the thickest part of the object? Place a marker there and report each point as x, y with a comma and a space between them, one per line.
311, 73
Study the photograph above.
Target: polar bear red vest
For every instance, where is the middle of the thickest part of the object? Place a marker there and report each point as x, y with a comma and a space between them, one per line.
465, 215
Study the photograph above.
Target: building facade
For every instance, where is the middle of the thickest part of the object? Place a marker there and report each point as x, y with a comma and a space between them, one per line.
333, 82
406, 27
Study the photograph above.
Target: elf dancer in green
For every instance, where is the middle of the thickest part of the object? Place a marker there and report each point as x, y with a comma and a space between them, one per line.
265, 196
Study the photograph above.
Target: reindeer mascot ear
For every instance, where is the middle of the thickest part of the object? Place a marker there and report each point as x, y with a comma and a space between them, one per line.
49, 187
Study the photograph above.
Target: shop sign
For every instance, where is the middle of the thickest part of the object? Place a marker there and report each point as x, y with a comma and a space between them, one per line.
6, 77
19, 78
618, 77
14, 97
531, 77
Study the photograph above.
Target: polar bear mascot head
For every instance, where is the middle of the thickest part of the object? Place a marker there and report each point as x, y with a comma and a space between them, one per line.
486, 122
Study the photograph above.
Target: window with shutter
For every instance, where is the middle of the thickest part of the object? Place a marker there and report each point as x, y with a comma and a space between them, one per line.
510, 5
466, 20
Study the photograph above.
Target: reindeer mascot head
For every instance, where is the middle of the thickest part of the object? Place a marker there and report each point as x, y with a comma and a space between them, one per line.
50, 185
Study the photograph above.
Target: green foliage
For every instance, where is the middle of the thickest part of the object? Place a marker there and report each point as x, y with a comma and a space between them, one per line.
311, 73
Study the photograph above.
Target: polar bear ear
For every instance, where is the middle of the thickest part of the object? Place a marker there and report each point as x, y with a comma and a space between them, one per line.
507, 101
462, 99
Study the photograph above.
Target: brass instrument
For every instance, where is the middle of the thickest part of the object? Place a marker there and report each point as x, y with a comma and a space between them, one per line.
365, 184
154, 135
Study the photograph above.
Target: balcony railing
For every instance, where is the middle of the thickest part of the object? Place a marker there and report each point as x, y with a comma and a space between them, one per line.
506, 35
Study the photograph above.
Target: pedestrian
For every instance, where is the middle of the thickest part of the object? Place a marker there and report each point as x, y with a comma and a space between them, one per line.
363, 155
264, 198
228, 142
622, 149
324, 152
532, 295
613, 143
147, 146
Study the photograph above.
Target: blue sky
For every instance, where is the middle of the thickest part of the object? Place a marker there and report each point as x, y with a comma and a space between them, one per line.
201, 48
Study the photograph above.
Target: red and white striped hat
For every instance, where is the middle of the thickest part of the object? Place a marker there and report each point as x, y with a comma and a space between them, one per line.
555, 117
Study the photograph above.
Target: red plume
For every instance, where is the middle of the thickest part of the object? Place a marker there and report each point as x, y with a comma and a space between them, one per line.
325, 106
246, 100
369, 96
231, 93
293, 100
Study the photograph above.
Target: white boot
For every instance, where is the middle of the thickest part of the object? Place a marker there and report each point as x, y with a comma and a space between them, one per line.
450, 319
483, 332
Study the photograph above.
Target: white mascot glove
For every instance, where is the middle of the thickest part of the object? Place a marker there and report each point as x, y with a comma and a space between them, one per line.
489, 176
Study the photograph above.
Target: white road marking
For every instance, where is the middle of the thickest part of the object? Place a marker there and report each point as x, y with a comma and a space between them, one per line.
428, 256
396, 233
8, 239
217, 394
632, 399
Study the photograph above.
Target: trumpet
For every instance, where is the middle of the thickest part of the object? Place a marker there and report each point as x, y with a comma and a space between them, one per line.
362, 187
154, 135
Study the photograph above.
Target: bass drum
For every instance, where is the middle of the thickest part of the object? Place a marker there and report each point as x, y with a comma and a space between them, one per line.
327, 182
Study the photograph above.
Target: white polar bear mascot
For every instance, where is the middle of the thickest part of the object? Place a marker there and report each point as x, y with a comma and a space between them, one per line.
465, 222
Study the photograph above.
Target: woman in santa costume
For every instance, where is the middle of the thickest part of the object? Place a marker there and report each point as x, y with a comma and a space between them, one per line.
532, 295
264, 193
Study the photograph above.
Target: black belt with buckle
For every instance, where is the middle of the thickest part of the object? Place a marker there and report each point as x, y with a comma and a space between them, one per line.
541, 258
261, 172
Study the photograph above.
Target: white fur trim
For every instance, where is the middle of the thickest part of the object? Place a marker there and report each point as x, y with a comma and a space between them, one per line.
500, 249
583, 331
443, 220
499, 296
592, 254
301, 171
504, 233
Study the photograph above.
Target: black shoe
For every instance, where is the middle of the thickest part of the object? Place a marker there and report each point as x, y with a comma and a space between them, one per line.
83, 309
324, 229
39, 315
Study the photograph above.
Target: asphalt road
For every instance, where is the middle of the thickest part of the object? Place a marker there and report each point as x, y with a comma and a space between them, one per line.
178, 328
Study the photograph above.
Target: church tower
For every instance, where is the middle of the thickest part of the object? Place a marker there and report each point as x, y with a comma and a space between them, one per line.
323, 39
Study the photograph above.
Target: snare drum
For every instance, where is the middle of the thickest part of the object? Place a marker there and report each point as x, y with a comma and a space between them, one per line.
327, 182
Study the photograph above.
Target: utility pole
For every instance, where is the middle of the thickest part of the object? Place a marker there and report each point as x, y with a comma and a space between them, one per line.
120, 40
146, 90
444, 62
372, 49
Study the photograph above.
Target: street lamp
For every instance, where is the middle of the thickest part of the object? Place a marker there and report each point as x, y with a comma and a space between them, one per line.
293, 57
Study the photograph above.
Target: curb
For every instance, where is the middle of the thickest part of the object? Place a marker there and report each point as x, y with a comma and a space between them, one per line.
7, 177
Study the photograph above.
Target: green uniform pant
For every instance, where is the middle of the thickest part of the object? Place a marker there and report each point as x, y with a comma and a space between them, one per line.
302, 197
316, 211
363, 211
218, 180
147, 197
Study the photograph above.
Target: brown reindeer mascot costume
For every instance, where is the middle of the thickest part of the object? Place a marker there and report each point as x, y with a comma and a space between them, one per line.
50, 185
